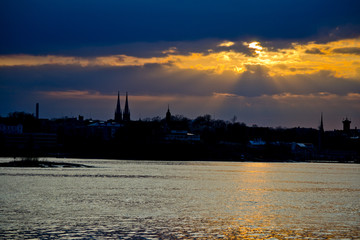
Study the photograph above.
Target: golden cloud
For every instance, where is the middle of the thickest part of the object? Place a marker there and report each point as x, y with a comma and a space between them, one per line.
30, 60
216, 95
338, 57
170, 50
226, 44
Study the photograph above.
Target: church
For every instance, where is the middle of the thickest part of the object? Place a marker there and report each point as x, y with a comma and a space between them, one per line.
119, 115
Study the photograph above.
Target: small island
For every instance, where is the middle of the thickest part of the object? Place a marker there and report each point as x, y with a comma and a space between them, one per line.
34, 162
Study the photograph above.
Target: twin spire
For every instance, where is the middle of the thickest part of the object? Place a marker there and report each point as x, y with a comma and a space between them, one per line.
119, 115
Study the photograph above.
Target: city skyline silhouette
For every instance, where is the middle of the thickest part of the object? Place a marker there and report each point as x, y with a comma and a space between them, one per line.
263, 62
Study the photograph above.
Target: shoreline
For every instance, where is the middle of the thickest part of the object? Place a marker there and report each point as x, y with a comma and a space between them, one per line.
45, 163
35, 163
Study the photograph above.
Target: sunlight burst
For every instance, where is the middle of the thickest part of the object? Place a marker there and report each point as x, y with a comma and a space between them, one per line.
256, 46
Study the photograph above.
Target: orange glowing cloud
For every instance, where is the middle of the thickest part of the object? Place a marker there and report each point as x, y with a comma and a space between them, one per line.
217, 95
226, 44
341, 58
113, 60
30, 60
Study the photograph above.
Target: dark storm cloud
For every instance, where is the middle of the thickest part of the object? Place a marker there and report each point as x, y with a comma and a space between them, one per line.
156, 80
256, 82
322, 81
151, 79
48, 27
347, 50
314, 51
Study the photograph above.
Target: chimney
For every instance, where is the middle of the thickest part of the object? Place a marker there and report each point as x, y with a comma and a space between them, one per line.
37, 110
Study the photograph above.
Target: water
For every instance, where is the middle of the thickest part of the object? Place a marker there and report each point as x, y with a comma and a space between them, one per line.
181, 200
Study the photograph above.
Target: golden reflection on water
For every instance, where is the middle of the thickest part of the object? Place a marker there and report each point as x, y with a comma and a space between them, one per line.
284, 222
260, 233
248, 231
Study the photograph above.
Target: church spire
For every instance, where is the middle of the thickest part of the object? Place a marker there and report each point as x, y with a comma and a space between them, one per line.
118, 114
168, 115
321, 128
321, 133
126, 115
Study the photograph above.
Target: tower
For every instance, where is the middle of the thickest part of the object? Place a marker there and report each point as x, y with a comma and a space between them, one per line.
118, 114
321, 128
346, 125
321, 132
37, 111
168, 116
126, 115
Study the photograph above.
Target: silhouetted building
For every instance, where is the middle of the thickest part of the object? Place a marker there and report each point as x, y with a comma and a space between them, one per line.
256, 143
346, 125
118, 114
168, 116
11, 129
321, 127
126, 114
182, 136
31, 141
303, 151
103, 130
321, 132
37, 110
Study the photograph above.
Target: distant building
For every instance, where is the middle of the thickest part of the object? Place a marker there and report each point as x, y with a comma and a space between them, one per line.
126, 115
32, 141
302, 151
11, 129
346, 125
256, 143
182, 136
104, 130
119, 115
37, 111
168, 116
321, 133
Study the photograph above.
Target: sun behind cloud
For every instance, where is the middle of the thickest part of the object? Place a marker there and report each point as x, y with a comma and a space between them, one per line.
255, 45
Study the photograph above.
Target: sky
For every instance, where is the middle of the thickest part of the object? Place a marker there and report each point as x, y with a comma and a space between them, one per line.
268, 63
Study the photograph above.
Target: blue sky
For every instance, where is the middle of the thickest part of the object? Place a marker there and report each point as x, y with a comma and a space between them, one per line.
73, 56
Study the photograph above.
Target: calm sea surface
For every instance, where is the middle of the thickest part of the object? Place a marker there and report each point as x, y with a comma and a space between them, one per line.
181, 200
